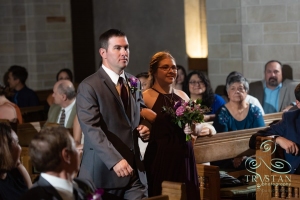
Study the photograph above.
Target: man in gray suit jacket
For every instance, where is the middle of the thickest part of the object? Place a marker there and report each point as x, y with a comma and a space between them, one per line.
273, 94
112, 124
64, 99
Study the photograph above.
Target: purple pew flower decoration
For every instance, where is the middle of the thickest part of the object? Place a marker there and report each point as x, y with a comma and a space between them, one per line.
187, 113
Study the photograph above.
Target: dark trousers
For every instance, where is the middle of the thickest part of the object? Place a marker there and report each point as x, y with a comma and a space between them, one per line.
135, 190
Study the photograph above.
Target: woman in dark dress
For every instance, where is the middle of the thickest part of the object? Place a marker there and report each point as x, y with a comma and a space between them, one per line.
168, 157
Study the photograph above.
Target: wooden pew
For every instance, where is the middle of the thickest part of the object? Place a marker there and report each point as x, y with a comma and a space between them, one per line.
218, 147
26, 132
269, 118
278, 185
33, 113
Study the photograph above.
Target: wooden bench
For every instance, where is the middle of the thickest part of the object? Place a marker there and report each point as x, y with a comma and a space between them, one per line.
273, 185
33, 113
218, 147
269, 118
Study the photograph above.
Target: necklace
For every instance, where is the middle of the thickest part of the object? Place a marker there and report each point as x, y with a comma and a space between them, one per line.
166, 96
170, 99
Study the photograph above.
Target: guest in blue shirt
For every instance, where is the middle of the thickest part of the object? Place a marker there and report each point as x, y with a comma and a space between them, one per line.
23, 96
197, 86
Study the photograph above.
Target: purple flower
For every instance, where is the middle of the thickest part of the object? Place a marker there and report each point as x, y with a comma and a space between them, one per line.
96, 195
133, 82
180, 111
177, 104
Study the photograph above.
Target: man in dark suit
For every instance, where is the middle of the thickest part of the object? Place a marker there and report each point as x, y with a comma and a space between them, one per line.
108, 109
274, 94
286, 133
53, 152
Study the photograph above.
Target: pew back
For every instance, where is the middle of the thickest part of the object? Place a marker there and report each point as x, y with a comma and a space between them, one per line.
273, 184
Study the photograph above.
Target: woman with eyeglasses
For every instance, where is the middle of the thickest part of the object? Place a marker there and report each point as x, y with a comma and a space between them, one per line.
237, 114
197, 86
168, 157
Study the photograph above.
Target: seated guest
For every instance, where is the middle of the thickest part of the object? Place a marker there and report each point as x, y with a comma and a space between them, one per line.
23, 96
9, 110
297, 95
237, 114
63, 74
53, 153
14, 179
180, 78
249, 98
274, 94
198, 87
63, 110
144, 79
286, 133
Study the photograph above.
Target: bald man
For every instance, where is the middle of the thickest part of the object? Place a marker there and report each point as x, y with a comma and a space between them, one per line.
63, 110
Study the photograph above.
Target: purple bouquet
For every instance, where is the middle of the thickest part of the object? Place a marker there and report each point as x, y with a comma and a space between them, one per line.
187, 113
132, 82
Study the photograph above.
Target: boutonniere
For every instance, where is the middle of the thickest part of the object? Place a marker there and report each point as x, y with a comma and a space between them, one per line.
132, 82
96, 195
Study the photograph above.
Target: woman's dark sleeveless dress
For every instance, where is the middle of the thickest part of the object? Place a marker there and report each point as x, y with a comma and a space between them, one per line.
168, 156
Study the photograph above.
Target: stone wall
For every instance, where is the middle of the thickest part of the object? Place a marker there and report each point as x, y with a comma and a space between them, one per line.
244, 34
36, 34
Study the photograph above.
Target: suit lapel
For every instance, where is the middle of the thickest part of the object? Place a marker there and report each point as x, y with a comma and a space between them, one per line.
72, 114
49, 188
282, 93
112, 88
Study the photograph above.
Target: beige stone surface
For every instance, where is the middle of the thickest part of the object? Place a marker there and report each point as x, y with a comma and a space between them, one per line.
252, 33
230, 3
236, 51
281, 38
284, 27
228, 66
293, 13
233, 38
226, 16
253, 70
230, 29
214, 36
59, 46
250, 2
270, 13
219, 51
279, 52
214, 66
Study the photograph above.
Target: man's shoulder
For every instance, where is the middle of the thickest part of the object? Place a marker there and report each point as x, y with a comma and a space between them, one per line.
291, 114
290, 83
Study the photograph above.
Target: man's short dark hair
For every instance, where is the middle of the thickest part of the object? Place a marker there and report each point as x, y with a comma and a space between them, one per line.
46, 147
273, 61
104, 37
297, 92
19, 72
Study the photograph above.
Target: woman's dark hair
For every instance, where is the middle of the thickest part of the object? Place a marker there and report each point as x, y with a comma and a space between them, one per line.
5, 91
208, 96
6, 161
180, 67
66, 70
143, 74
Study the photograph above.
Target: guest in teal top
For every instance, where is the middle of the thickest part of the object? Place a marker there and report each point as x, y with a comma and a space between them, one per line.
237, 114
197, 86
